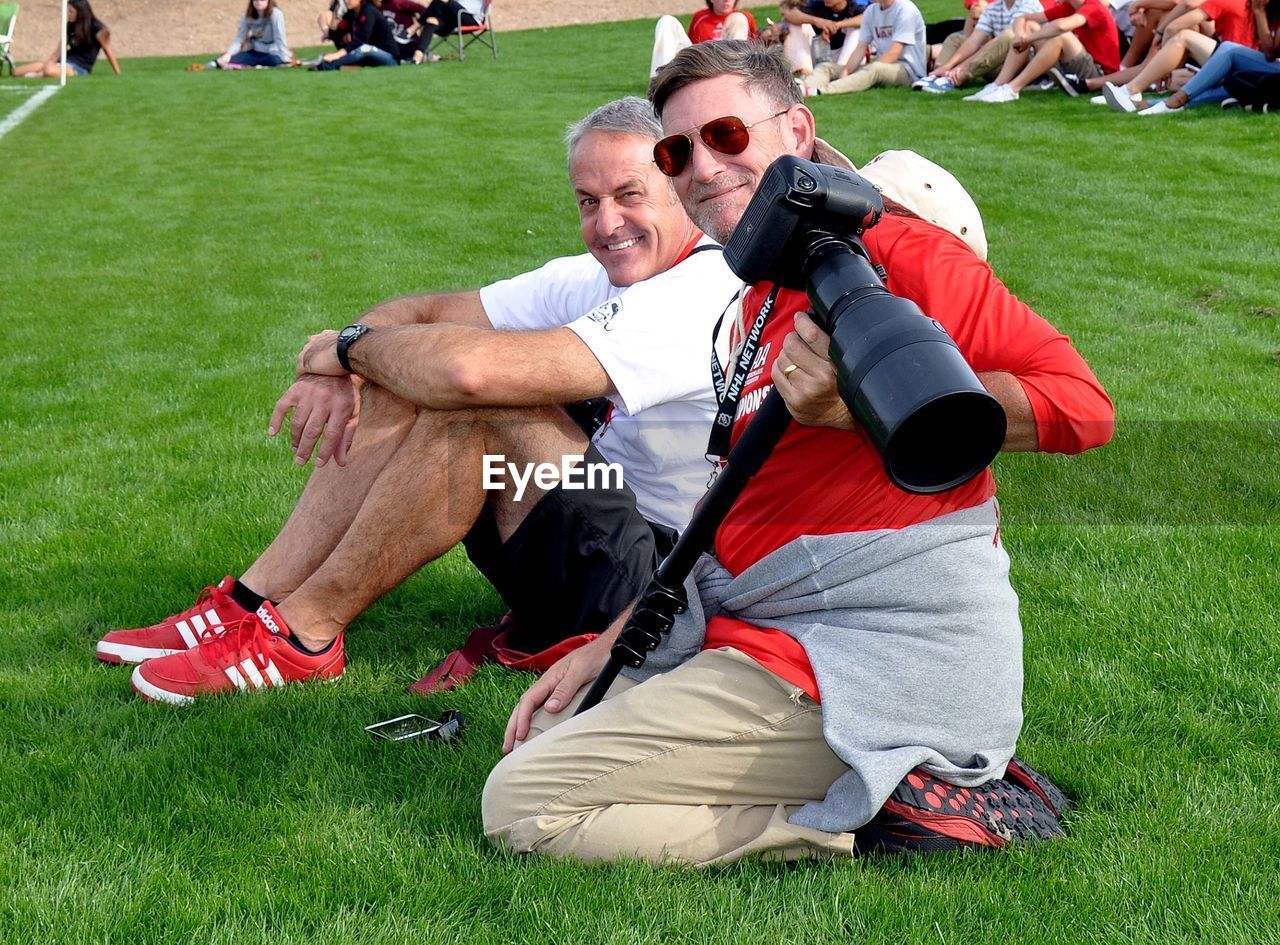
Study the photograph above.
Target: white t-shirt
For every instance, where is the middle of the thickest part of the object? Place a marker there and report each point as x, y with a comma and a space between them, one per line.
901, 23
654, 341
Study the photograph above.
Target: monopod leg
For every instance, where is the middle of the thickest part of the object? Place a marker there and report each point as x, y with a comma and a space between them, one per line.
665, 597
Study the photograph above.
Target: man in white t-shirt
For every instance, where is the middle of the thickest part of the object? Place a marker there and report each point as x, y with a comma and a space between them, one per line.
892, 31
461, 436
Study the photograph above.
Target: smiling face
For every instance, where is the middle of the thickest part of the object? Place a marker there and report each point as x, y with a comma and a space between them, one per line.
715, 188
631, 220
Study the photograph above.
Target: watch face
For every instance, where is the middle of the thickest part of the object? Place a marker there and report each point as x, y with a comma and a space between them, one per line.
351, 333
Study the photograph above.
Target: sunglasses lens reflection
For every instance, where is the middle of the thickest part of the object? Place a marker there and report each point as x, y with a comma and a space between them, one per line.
726, 135
672, 154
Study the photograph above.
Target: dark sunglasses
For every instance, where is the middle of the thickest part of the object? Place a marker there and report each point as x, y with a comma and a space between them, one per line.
728, 135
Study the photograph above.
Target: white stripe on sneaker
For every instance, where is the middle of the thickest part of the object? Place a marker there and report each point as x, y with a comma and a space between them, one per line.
148, 691
274, 674
188, 637
234, 675
198, 624
251, 671
110, 652
211, 615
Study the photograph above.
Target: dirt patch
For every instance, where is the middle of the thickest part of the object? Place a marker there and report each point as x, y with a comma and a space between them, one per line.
205, 27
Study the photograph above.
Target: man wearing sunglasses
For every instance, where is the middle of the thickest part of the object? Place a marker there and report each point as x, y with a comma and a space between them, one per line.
848, 674
436, 390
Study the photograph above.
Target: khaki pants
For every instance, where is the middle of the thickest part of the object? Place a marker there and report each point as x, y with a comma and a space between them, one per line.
989, 58
871, 74
697, 766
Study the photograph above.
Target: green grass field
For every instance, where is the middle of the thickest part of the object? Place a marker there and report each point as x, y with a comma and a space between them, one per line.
171, 238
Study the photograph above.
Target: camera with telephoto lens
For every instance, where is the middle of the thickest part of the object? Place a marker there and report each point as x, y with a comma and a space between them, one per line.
898, 371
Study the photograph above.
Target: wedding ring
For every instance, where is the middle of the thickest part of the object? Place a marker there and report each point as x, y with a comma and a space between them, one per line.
788, 371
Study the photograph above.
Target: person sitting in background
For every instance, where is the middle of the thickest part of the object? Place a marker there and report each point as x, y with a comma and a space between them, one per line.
261, 39
720, 20
368, 41
442, 18
979, 53
1078, 36
1206, 86
1189, 34
86, 36
935, 34
892, 32
333, 24
817, 30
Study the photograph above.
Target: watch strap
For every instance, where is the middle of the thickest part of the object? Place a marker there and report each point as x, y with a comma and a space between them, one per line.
346, 338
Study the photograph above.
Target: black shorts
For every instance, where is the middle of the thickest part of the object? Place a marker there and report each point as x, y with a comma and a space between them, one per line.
575, 563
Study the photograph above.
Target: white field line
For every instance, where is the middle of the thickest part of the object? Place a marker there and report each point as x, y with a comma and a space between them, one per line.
16, 117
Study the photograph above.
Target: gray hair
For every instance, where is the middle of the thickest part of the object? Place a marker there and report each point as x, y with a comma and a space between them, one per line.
624, 116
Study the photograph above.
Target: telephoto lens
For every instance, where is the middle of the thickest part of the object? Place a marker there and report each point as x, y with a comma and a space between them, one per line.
900, 374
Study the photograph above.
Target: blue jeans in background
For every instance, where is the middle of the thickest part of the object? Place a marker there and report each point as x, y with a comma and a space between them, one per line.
248, 57
361, 56
1205, 86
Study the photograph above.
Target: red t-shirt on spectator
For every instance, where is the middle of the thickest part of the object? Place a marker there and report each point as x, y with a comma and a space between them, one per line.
1232, 21
1099, 35
706, 26
822, 481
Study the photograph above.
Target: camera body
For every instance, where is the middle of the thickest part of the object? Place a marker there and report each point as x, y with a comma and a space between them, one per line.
795, 199
898, 371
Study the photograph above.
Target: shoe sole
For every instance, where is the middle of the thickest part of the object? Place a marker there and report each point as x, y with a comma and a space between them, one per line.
118, 653
1061, 81
150, 692
926, 815
1021, 773
1114, 102
154, 693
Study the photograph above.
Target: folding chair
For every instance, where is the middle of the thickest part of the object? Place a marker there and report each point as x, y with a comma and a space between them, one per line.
8, 17
463, 35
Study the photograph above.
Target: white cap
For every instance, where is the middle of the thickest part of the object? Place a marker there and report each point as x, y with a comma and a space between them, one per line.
930, 192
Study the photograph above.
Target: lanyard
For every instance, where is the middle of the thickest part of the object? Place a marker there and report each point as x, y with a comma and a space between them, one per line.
730, 390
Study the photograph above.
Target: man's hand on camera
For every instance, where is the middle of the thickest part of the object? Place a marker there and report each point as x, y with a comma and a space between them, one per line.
810, 388
320, 355
556, 687
322, 406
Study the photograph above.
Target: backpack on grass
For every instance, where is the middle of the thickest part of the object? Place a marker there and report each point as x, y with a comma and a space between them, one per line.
1257, 91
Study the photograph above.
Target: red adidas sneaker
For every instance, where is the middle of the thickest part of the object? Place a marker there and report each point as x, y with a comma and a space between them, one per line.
214, 610
926, 814
252, 654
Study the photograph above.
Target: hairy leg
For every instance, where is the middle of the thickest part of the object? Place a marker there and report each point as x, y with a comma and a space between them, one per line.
424, 502
332, 497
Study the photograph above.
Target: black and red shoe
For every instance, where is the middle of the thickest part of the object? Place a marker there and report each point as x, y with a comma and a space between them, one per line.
925, 814
1022, 774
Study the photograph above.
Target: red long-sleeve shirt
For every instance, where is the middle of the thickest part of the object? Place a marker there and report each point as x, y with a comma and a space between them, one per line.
822, 481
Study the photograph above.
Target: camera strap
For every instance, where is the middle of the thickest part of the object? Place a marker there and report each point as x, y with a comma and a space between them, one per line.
729, 390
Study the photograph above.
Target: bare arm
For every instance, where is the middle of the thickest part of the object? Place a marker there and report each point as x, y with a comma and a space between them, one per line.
450, 367
456, 308
1051, 29
892, 54
855, 59
328, 407
969, 48
104, 40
